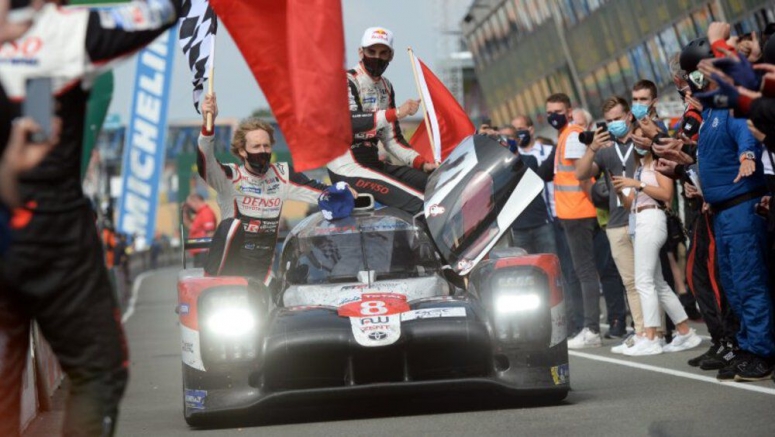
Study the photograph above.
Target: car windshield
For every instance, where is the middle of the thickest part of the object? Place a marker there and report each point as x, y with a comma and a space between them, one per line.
336, 258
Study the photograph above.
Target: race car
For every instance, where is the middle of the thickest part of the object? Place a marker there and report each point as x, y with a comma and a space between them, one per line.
385, 303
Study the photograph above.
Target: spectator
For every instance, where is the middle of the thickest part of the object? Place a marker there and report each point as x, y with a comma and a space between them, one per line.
577, 216
55, 235
533, 229
612, 152
583, 118
645, 196
201, 225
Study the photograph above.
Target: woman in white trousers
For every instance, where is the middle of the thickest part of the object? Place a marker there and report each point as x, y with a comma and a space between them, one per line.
646, 196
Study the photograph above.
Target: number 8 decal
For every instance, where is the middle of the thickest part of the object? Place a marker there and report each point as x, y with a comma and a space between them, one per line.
373, 308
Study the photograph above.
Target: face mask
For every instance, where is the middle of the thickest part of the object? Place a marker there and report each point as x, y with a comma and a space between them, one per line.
639, 151
558, 121
640, 111
375, 66
259, 162
618, 128
524, 138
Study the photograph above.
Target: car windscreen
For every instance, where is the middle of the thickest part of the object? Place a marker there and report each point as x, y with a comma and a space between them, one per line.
339, 257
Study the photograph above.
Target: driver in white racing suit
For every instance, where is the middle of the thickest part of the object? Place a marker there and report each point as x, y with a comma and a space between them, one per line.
374, 119
250, 197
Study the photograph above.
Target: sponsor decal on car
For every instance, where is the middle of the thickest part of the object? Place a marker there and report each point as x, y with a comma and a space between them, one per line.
559, 321
560, 374
433, 313
376, 330
195, 399
184, 309
436, 210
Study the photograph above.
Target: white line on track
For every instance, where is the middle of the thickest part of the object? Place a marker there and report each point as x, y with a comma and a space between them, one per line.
739, 385
135, 290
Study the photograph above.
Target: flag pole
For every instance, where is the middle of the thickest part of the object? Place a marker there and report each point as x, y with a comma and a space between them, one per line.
422, 102
210, 83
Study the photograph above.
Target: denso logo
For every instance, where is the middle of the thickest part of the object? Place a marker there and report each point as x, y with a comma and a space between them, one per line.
373, 186
261, 202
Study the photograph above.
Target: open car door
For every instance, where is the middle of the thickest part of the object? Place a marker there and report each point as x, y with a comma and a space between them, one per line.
474, 196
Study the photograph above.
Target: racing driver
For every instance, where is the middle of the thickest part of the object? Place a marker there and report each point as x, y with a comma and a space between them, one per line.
250, 196
54, 271
375, 118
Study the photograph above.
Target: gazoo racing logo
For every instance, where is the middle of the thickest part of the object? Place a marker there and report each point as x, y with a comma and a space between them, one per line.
373, 186
436, 210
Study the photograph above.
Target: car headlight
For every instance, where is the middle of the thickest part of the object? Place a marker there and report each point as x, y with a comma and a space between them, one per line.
231, 322
508, 303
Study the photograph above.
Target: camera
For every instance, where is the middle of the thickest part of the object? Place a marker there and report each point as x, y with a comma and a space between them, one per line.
588, 136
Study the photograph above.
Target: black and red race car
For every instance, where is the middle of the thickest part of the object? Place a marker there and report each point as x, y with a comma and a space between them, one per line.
385, 303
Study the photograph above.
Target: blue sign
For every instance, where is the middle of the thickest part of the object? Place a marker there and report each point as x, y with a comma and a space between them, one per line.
146, 138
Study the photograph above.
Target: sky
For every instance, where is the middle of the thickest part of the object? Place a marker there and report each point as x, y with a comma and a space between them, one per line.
412, 22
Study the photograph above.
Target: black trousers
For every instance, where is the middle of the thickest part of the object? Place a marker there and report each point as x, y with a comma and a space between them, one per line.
63, 285
398, 186
704, 282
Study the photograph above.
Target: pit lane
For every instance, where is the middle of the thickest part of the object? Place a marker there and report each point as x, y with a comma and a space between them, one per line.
612, 395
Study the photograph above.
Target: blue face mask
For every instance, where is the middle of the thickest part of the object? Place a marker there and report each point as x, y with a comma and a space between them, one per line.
640, 111
618, 128
641, 152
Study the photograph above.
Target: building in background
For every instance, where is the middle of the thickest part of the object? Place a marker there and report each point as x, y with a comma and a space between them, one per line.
524, 50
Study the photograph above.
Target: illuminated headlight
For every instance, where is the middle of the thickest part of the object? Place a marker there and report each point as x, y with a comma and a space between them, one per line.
231, 322
516, 303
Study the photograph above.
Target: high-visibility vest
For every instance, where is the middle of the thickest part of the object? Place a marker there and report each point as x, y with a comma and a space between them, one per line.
570, 199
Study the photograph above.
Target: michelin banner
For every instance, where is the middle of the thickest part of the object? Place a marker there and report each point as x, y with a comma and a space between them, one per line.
145, 140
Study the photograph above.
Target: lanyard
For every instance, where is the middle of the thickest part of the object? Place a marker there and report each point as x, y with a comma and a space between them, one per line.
624, 158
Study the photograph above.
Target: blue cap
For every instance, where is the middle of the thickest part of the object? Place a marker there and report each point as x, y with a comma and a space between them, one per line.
336, 201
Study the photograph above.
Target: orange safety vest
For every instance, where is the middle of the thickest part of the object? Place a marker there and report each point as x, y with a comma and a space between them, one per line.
570, 199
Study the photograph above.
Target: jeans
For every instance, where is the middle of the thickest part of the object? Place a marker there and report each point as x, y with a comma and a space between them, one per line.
580, 234
571, 286
539, 239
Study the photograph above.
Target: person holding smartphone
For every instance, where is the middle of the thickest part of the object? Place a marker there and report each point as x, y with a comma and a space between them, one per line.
54, 270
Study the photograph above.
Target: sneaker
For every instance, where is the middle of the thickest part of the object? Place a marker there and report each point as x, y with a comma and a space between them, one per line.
628, 342
712, 353
643, 347
585, 339
755, 369
618, 330
684, 342
722, 359
728, 372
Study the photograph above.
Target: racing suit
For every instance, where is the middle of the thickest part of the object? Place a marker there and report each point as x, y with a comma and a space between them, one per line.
740, 232
372, 108
54, 271
250, 204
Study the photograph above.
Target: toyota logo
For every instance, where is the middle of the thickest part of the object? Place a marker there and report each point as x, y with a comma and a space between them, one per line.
378, 335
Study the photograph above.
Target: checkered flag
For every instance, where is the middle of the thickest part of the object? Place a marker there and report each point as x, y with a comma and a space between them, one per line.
198, 25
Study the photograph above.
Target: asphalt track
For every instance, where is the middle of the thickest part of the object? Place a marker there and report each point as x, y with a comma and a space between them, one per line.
612, 396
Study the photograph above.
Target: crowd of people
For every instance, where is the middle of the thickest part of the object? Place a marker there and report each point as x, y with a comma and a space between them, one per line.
623, 176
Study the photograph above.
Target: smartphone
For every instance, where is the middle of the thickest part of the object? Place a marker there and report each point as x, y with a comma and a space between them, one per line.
602, 125
39, 106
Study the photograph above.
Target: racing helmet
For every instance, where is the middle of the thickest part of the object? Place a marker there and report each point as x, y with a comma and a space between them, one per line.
693, 53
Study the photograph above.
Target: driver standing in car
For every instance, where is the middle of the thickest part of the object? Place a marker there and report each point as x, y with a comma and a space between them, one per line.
250, 196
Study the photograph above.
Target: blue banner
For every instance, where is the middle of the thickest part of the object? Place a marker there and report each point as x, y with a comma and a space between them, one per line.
145, 140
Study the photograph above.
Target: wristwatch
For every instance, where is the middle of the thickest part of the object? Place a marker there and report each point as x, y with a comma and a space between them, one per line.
748, 155
642, 186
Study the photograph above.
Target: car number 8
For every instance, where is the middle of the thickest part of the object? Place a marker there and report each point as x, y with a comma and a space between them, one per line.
373, 308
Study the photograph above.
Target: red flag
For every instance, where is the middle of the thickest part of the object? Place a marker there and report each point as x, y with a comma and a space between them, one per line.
449, 122
295, 49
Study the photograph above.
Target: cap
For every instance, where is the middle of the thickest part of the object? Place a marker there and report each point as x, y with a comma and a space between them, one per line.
377, 35
336, 201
